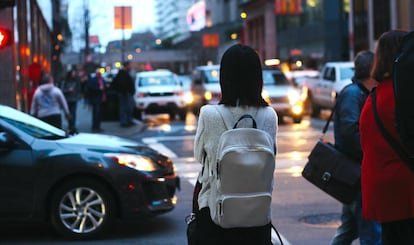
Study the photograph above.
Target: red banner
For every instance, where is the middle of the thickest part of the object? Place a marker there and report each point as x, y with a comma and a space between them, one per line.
288, 7
210, 40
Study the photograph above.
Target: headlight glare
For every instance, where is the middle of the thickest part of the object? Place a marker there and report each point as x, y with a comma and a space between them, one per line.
137, 162
188, 98
265, 96
208, 95
294, 97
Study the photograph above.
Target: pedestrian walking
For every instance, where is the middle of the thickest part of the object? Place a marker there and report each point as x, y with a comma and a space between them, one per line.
347, 140
96, 98
387, 182
123, 84
48, 102
241, 85
71, 88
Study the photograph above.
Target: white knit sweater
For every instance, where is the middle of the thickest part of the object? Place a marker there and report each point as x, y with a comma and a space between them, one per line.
211, 126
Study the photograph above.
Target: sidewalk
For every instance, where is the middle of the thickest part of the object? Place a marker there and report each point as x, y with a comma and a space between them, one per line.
84, 122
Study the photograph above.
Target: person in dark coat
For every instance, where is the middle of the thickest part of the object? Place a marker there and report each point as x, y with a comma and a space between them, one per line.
124, 85
347, 140
71, 88
96, 97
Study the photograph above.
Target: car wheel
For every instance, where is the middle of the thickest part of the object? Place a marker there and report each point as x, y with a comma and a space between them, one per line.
315, 110
281, 120
182, 114
172, 116
196, 110
138, 114
82, 209
297, 119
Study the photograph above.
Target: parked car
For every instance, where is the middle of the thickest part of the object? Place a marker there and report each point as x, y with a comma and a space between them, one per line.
160, 91
205, 86
282, 95
79, 183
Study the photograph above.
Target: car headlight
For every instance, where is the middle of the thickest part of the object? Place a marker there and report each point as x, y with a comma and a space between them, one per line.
188, 98
265, 96
208, 95
294, 97
138, 162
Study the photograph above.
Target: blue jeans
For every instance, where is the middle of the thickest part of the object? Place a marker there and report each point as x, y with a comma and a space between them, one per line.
353, 226
126, 109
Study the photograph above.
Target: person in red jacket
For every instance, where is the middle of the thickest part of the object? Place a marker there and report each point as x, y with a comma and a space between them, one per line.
387, 182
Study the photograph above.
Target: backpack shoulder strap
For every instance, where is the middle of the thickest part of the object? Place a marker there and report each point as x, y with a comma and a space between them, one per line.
226, 115
246, 116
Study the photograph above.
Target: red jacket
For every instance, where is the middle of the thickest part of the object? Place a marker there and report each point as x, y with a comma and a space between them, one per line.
387, 183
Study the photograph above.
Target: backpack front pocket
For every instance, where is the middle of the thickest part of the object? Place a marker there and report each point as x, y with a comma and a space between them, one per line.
244, 210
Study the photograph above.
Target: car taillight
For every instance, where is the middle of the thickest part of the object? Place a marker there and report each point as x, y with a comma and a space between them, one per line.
179, 93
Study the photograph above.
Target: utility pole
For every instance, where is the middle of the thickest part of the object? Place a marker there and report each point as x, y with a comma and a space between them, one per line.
123, 34
87, 24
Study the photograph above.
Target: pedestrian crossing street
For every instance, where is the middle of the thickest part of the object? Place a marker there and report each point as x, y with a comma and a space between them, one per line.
188, 168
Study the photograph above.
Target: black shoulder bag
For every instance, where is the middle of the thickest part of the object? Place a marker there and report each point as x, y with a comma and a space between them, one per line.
332, 171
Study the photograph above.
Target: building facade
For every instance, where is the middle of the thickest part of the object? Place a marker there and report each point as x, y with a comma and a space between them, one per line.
170, 18
321, 30
32, 23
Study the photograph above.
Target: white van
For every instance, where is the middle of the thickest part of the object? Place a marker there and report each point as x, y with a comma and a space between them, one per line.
205, 86
160, 91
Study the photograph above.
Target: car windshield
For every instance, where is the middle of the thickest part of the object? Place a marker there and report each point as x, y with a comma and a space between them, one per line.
347, 72
212, 76
157, 81
30, 125
274, 78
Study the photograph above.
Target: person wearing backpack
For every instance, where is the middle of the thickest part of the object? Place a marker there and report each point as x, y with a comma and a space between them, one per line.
241, 86
387, 182
347, 140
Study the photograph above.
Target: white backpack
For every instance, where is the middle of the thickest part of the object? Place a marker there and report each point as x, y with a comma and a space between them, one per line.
241, 191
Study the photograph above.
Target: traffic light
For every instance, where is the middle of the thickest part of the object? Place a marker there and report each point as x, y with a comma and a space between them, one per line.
6, 38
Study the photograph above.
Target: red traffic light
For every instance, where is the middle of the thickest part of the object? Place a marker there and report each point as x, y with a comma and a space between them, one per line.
5, 38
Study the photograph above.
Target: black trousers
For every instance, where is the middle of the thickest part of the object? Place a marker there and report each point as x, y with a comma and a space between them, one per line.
55, 120
398, 232
209, 233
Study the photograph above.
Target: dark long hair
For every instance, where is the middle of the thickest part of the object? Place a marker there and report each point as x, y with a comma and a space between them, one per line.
241, 78
385, 54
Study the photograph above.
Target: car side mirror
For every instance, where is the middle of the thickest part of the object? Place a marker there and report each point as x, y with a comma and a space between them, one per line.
6, 140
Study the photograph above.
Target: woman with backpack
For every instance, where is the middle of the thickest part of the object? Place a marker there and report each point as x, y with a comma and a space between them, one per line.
241, 86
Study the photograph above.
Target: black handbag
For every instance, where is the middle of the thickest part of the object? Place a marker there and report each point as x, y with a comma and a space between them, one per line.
332, 171
191, 220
